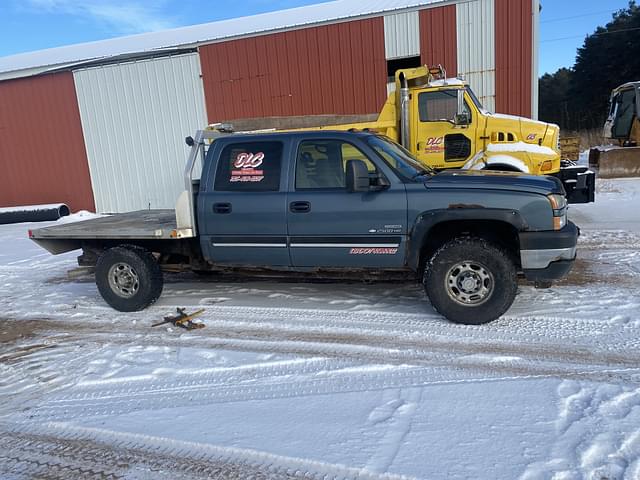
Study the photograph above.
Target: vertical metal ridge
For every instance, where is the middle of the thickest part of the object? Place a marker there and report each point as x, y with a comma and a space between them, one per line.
438, 37
476, 47
135, 116
52, 166
535, 34
402, 35
514, 49
297, 72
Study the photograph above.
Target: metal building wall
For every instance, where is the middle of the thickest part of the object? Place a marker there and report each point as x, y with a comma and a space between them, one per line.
476, 48
514, 52
438, 38
331, 69
135, 117
402, 35
42, 153
535, 39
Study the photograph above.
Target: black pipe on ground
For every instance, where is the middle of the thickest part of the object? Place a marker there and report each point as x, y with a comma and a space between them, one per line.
33, 213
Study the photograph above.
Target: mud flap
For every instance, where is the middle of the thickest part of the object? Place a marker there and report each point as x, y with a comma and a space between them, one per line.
579, 183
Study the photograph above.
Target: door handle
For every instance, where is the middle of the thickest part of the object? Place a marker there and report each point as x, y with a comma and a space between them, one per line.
300, 207
222, 208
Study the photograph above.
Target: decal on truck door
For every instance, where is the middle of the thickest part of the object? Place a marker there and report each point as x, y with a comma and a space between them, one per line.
434, 145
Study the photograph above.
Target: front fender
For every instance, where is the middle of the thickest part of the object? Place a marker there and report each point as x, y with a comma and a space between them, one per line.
504, 161
427, 220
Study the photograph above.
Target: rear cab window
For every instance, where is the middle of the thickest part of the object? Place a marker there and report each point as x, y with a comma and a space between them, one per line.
250, 167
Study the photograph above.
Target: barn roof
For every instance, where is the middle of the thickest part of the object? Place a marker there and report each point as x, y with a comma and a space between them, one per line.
30, 63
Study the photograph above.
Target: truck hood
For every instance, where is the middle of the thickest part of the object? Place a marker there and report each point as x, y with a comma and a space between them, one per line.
530, 132
527, 130
490, 180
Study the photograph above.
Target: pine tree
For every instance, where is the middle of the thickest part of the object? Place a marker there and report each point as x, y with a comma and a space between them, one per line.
577, 99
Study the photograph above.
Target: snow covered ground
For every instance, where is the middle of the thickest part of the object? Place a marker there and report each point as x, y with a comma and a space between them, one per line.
318, 380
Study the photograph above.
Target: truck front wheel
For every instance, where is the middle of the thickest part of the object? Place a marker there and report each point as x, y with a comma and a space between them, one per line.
470, 281
128, 278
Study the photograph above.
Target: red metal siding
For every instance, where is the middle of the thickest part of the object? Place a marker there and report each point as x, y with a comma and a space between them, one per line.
42, 153
514, 50
438, 38
339, 68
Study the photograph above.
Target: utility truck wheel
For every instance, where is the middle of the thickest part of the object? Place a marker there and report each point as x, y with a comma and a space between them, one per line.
128, 278
470, 281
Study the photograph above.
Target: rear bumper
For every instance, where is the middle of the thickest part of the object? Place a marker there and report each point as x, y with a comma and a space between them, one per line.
548, 255
579, 183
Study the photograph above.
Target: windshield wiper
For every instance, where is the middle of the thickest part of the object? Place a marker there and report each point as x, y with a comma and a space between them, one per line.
421, 172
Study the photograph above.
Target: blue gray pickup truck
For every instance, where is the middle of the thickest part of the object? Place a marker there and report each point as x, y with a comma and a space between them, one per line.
328, 203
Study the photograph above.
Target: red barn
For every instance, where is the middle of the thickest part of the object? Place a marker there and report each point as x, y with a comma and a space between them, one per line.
100, 126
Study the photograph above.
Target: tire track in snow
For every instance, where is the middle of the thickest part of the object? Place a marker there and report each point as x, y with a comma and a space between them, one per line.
421, 357
57, 450
134, 397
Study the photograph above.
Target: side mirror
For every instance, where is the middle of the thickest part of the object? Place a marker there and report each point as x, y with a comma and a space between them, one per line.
357, 176
462, 117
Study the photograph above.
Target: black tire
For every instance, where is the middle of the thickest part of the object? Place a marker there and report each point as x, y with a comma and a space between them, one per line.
470, 281
128, 278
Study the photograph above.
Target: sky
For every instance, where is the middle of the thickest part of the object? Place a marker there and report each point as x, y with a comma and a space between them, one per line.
564, 25
27, 25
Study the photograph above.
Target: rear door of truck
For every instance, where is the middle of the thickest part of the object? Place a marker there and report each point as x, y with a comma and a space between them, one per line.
242, 202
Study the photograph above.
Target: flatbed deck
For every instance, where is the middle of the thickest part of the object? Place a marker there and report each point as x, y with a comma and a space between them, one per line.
140, 225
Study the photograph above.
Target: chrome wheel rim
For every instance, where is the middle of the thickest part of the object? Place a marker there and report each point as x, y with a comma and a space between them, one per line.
469, 283
123, 280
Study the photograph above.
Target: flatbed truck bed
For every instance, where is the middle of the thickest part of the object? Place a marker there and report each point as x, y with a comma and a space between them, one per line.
138, 225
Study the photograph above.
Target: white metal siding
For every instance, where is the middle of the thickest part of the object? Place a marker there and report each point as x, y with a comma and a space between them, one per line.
535, 47
135, 117
476, 48
402, 35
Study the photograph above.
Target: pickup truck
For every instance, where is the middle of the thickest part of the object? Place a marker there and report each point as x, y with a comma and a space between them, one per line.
327, 203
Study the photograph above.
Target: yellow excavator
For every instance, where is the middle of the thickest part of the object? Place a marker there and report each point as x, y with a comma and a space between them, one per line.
622, 130
443, 124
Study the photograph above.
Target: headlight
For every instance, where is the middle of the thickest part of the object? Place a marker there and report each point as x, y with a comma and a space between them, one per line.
559, 208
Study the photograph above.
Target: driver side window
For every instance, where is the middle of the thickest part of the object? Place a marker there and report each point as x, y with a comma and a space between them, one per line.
321, 164
440, 106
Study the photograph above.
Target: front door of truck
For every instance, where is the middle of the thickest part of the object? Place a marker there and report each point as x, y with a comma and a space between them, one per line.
439, 142
242, 204
331, 227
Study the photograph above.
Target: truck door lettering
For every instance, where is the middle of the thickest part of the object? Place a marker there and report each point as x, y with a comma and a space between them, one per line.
434, 145
245, 166
249, 160
373, 251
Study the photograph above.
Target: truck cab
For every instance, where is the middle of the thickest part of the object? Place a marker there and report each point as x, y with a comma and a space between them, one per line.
623, 121
443, 124
447, 136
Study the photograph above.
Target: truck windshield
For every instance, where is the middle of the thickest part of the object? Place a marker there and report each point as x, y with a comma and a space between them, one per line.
476, 102
398, 158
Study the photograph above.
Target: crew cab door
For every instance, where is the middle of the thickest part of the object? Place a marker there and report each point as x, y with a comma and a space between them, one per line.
331, 227
242, 205
439, 143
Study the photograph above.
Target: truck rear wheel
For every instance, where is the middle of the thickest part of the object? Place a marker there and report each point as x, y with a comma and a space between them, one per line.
128, 278
470, 281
